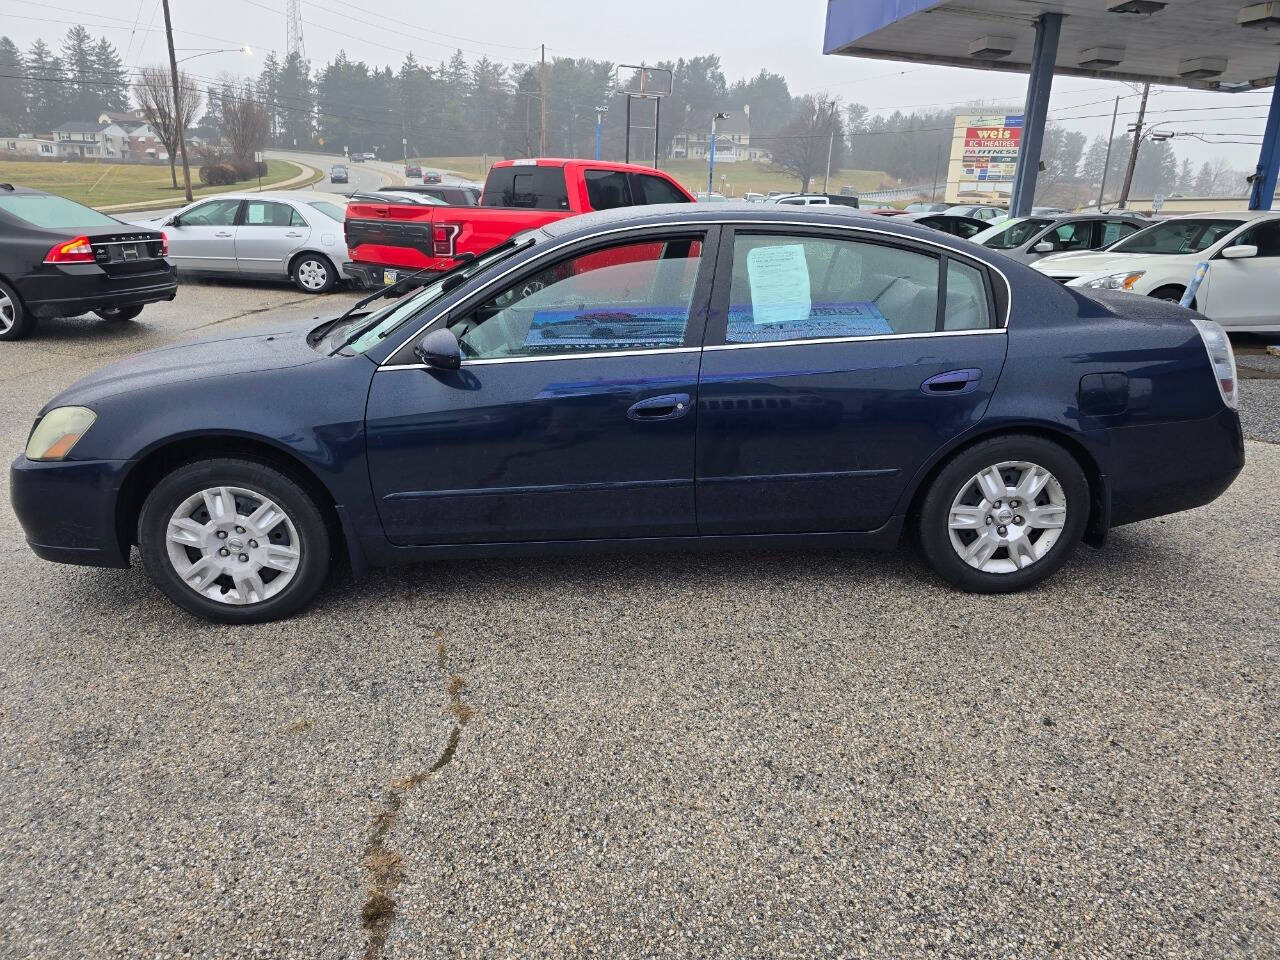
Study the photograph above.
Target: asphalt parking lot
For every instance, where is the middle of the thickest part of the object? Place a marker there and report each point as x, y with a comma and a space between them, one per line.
756, 755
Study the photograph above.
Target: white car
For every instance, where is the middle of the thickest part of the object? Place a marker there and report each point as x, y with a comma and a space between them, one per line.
1241, 290
284, 235
979, 211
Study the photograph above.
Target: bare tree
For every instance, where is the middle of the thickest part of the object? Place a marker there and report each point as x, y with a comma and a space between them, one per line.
154, 90
245, 123
801, 149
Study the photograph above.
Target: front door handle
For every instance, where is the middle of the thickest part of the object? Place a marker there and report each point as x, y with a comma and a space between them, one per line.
670, 406
293, 233
223, 233
952, 382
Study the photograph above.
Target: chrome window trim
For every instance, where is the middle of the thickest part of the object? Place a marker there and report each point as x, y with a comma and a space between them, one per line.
707, 225
876, 336
592, 355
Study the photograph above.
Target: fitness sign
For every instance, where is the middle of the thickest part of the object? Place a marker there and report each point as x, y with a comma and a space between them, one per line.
988, 148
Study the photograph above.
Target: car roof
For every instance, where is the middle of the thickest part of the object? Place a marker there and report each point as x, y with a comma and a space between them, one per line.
1241, 215
12, 189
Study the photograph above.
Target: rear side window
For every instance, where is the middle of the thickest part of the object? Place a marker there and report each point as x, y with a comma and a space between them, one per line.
651, 189
607, 189
535, 188
804, 288
1116, 230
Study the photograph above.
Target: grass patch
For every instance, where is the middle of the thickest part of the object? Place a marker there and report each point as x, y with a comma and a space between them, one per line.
103, 184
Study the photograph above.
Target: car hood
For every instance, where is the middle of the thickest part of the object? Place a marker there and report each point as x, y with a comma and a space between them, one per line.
247, 353
1086, 261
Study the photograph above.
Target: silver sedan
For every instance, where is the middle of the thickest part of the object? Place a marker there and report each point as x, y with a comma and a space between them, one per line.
282, 235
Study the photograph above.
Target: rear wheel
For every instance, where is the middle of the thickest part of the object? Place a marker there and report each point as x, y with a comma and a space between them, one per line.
1004, 514
234, 541
313, 273
118, 313
15, 322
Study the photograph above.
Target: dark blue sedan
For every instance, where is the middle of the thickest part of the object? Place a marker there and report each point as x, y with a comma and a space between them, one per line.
661, 377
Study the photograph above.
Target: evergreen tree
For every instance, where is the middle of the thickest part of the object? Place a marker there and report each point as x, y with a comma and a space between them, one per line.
110, 87
268, 91
295, 103
83, 102
46, 88
13, 89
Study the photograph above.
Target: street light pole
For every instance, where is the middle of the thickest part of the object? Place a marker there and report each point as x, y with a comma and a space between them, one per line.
711, 169
178, 119
600, 112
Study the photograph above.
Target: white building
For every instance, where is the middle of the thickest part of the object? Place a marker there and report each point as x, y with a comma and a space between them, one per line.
28, 146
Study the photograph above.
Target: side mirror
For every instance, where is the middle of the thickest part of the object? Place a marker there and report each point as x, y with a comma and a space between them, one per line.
172, 222
1241, 251
1044, 246
439, 350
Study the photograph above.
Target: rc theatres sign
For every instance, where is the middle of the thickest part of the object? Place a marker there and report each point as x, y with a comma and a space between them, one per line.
984, 156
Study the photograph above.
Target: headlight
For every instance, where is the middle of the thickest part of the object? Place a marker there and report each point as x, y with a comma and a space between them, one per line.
1117, 281
58, 431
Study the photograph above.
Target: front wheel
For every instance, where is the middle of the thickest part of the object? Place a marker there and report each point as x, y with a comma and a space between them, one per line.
313, 273
118, 313
1004, 514
234, 541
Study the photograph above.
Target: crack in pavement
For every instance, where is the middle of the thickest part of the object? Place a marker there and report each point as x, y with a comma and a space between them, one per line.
249, 313
383, 865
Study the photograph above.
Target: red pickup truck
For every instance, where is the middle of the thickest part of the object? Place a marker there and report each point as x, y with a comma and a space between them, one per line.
387, 241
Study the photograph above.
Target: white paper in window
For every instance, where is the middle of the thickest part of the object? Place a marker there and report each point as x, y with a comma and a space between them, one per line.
257, 213
779, 284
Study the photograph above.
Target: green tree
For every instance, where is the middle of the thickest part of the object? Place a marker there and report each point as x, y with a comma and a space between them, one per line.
83, 100
13, 89
46, 88
110, 87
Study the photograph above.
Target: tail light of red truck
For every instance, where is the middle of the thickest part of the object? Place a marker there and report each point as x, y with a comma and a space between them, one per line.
444, 239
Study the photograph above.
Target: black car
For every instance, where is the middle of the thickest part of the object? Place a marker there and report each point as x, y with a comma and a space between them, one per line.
338, 173
455, 195
957, 226
59, 258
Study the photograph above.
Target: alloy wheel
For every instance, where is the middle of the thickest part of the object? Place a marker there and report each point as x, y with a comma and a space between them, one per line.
233, 545
1007, 517
313, 274
8, 312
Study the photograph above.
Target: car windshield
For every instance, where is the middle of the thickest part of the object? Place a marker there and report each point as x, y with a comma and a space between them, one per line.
375, 327
334, 211
1013, 233
58, 213
1177, 237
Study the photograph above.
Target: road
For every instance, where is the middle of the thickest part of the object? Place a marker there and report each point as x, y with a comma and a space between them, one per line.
754, 755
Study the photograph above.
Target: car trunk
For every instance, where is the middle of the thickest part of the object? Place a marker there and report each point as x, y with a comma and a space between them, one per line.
127, 252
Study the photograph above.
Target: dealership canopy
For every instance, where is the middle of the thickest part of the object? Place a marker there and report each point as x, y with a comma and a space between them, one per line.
1224, 45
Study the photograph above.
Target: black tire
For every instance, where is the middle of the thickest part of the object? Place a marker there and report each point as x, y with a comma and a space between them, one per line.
307, 270
299, 507
1171, 294
118, 313
15, 321
932, 523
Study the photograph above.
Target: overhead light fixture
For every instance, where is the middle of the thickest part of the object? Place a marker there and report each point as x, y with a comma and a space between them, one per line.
1136, 6
1099, 58
1260, 15
991, 48
1239, 86
1202, 68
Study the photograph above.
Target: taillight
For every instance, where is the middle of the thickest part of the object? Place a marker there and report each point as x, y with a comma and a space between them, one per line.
164, 244
444, 238
1222, 357
72, 251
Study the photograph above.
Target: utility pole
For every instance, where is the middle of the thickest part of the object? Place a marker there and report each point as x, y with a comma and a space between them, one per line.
831, 142
179, 120
1106, 166
542, 152
1133, 152
711, 168
937, 172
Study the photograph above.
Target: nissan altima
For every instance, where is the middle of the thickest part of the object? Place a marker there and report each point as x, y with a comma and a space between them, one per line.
690, 376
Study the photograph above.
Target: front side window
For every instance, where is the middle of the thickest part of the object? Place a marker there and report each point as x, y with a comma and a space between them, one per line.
1265, 236
635, 296
804, 288
650, 189
215, 213
1015, 234
1072, 236
1175, 237
607, 189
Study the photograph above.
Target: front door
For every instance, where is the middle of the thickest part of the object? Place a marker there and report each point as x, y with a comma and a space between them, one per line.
203, 238
573, 415
835, 366
1246, 292
268, 233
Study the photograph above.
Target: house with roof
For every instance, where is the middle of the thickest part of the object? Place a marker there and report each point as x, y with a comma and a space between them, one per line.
127, 118
26, 146
81, 138
733, 141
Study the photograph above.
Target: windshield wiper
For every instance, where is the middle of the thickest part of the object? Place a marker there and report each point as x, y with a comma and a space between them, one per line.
449, 280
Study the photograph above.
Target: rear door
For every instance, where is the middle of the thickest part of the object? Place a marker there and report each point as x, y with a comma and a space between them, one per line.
836, 364
204, 237
574, 413
268, 233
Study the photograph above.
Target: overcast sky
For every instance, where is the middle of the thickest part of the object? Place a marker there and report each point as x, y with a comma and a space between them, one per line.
747, 35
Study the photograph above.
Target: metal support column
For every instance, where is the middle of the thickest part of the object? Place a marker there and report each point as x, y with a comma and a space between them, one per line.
1039, 86
1265, 177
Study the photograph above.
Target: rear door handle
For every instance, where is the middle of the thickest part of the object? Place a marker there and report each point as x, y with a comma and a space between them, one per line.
669, 406
223, 233
952, 382
293, 233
